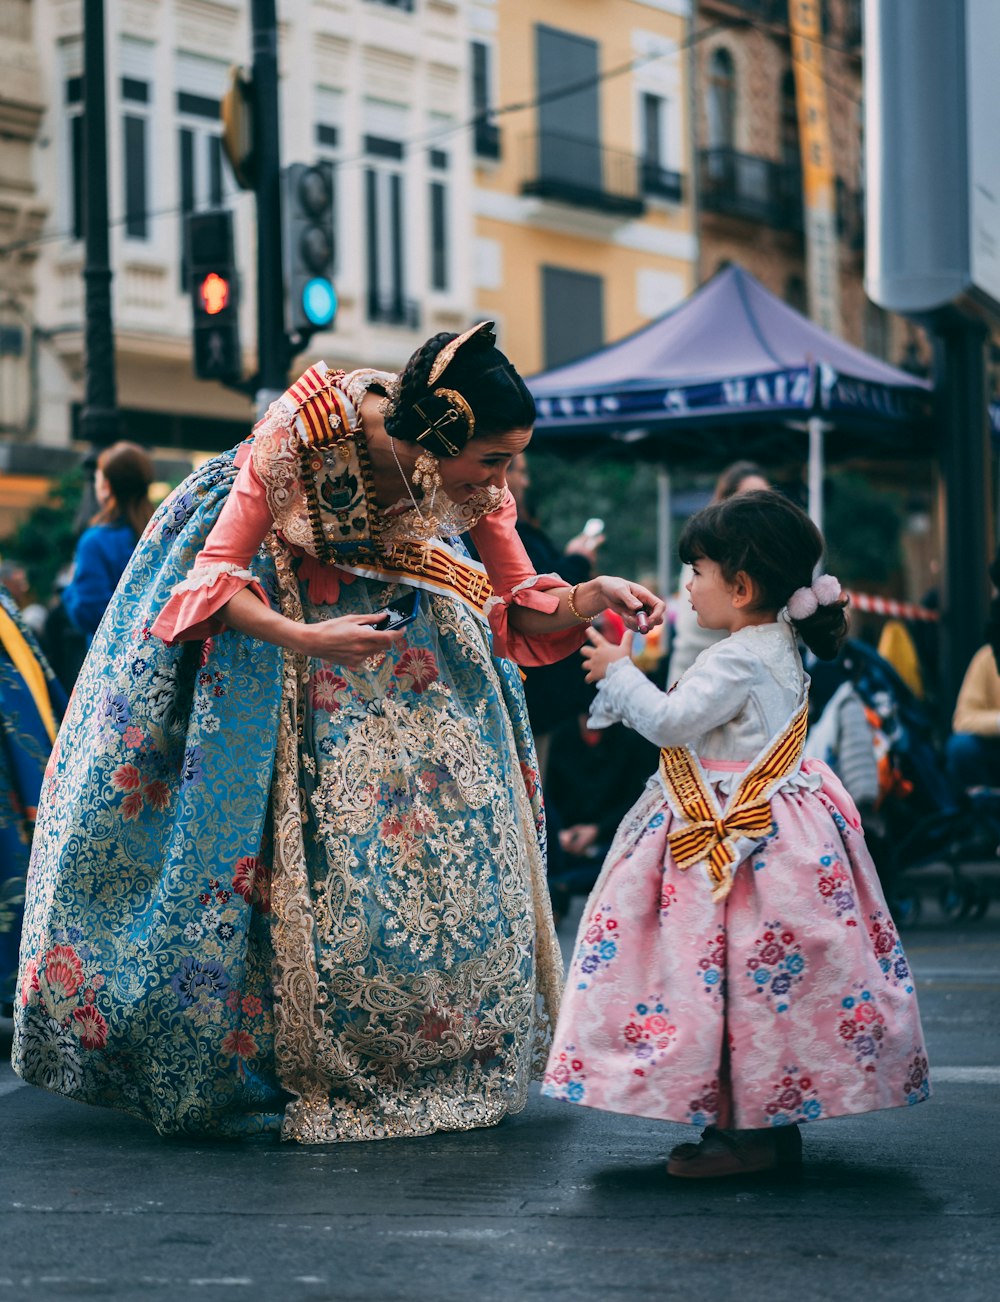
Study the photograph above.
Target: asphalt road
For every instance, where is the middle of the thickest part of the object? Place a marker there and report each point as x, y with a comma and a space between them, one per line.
559, 1202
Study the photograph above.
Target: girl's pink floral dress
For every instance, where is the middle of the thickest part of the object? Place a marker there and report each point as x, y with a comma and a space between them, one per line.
789, 1001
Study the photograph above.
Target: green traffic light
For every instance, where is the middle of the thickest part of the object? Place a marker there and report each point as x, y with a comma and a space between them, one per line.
319, 301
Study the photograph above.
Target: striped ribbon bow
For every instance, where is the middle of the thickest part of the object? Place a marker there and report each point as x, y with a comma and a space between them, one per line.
710, 839
707, 834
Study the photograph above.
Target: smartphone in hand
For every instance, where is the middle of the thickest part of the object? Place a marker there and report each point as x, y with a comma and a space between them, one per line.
401, 612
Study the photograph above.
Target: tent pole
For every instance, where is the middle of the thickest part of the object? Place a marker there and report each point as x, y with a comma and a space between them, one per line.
664, 521
816, 430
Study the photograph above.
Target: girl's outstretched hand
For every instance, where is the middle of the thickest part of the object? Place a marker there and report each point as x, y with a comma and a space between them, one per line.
601, 653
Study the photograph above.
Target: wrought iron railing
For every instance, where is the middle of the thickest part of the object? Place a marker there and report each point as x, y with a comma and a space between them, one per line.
486, 138
582, 173
393, 310
752, 188
661, 183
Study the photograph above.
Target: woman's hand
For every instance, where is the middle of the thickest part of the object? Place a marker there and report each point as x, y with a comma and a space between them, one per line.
626, 599
347, 640
601, 653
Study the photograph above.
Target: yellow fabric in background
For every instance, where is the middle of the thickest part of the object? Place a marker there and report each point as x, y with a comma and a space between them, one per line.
896, 646
24, 661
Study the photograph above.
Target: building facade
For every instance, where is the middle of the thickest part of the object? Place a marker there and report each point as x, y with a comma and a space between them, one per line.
583, 220
377, 87
749, 161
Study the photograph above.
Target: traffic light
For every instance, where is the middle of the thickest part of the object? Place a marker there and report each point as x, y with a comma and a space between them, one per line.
211, 273
308, 249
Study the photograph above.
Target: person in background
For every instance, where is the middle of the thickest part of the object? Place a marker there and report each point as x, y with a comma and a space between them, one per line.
972, 752
31, 706
595, 776
554, 693
690, 638
121, 483
14, 577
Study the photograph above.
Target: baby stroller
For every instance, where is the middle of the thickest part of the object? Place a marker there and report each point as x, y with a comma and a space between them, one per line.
919, 820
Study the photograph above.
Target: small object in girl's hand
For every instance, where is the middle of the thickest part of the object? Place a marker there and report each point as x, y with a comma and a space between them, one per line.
642, 620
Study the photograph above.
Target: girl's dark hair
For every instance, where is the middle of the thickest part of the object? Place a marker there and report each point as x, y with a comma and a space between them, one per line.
129, 472
479, 371
777, 546
729, 481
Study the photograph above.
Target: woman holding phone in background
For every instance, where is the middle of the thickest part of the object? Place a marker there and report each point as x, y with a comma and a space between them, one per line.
306, 890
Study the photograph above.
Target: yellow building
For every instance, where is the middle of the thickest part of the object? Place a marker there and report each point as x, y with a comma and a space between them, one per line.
583, 221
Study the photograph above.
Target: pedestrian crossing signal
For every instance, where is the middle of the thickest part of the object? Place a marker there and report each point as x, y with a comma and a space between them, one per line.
214, 289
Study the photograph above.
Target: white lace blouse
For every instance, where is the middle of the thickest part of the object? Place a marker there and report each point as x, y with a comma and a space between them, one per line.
735, 698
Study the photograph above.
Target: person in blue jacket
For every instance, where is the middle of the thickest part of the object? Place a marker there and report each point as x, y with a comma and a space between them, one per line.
121, 482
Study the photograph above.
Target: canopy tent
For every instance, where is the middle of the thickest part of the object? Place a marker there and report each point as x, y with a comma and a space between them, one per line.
731, 372
731, 353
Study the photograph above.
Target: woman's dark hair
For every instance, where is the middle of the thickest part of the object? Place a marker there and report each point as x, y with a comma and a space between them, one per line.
129, 472
777, 546
479, 371
730, 479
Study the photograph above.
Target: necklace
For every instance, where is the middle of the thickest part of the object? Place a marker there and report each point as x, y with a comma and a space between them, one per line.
428, 523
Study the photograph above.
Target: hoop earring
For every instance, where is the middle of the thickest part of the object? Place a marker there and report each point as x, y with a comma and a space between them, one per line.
427, 472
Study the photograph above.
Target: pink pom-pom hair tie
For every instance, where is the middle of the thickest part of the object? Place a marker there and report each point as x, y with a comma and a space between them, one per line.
804, 602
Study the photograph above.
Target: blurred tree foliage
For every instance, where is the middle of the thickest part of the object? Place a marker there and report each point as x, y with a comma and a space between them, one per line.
45, 539
863, 523
566, 492
862, 526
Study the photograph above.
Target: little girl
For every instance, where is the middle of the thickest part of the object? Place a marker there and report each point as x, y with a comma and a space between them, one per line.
737, 967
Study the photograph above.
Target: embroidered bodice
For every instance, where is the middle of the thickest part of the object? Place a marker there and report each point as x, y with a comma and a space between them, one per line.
312, 456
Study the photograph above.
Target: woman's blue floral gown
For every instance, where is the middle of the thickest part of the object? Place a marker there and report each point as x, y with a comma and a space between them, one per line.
271, 893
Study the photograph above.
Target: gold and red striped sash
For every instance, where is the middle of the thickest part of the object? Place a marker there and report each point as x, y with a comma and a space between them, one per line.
434, 567
709, 833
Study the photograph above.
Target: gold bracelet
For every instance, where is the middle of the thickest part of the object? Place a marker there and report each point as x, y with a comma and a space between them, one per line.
571, 602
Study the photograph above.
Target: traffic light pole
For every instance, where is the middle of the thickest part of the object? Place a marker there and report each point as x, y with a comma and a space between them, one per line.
99, 421
272, 346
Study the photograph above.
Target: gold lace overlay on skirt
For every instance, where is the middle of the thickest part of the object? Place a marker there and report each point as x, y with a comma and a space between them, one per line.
448, 1036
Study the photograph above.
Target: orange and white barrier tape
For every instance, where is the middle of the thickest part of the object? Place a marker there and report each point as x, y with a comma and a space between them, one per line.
891, 608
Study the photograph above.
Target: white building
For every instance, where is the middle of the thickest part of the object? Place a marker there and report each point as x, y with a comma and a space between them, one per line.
377, 86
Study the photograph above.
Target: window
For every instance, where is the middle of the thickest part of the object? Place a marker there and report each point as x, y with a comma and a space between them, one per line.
386, 260
440, 279
657, 178
74, 116
135, 97
790, 152
573, 314
569, 123
200, 154
486, 141
721, 101
329, 143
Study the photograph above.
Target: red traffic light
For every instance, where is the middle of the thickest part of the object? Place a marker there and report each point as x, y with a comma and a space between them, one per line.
214, 293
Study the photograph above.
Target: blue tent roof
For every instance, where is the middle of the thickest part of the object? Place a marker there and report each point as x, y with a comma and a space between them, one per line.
731, 353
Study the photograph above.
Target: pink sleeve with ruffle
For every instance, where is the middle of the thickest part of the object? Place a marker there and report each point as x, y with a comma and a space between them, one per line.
515, 583
221, 568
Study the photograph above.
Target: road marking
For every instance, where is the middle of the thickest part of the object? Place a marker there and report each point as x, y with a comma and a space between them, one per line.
965, 1075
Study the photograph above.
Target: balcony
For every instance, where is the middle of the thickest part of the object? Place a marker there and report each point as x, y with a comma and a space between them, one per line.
393, 310
762, 11
750, 188
407, 6
660, 183
582, 173
486, 139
